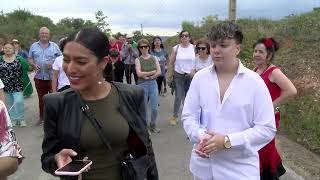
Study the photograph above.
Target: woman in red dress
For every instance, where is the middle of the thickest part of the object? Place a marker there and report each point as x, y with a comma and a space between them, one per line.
281, 90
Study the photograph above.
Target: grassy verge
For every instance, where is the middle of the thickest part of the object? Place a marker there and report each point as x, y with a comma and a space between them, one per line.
300, 121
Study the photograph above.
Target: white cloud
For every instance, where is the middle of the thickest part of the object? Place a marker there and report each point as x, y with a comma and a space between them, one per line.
157, 16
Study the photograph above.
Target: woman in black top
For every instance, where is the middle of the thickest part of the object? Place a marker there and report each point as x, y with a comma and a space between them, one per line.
119, 108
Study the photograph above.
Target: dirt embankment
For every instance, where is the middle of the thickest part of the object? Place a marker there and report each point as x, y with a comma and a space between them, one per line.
298, 158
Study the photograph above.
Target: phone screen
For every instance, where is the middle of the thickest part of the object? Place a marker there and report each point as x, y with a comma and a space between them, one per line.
74, 166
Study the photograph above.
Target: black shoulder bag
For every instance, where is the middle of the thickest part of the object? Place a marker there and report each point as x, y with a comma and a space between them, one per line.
131, 168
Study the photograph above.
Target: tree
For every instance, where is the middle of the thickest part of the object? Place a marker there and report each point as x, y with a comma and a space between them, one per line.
117, 35
137, 35
209, 20
187, 25
75, 24
102, 23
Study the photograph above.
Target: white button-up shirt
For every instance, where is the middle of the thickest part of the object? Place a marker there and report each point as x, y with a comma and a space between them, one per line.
245, 114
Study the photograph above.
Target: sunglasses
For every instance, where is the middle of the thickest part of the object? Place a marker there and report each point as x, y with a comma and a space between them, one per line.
184, 35
143, 47
201, 48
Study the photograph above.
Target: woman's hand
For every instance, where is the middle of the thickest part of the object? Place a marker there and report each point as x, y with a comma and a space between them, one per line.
64, 157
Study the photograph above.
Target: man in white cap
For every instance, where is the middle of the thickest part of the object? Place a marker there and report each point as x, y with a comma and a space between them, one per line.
18, 50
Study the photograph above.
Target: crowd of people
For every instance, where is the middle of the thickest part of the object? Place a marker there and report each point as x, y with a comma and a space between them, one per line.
230, 113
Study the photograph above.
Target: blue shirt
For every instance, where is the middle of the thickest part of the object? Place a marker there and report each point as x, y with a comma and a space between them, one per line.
23, 54
42, 57
163, 56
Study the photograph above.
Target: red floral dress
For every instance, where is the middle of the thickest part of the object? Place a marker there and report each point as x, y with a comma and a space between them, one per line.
271, 167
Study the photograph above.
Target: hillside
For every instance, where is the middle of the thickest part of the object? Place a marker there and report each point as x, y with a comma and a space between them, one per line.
298, 57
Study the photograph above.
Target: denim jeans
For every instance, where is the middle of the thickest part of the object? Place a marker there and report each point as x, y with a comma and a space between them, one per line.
181, 83
15, 105
150, 89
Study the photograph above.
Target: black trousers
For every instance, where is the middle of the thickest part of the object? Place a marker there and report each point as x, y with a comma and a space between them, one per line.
160, 79
119, 71
130, 69
115, 74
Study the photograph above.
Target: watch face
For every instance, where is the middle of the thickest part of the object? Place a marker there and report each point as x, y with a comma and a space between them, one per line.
227, 143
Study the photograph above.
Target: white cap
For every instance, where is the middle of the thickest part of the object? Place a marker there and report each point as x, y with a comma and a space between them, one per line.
15, 40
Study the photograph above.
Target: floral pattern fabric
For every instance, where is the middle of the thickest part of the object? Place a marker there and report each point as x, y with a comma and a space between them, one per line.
11, 76
8, 142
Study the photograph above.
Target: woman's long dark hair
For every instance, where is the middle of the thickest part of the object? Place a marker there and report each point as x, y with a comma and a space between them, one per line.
93, 39
153, 46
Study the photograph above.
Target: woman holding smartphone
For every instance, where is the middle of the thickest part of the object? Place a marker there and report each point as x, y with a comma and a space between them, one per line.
119, 108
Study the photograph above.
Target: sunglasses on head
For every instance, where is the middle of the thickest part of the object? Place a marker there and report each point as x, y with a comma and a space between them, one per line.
184, 35
201, 48
143, 47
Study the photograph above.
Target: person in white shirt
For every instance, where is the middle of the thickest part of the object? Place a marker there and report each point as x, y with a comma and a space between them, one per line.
60, 80
181, 63
228, 113
203, 58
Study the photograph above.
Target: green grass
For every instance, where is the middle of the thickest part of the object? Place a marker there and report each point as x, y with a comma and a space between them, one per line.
300, 121
298, 58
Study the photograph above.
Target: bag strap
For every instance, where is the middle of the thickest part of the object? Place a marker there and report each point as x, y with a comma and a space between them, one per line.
97, 125
176, 52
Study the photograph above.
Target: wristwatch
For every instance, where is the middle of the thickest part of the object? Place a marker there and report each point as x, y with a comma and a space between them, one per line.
227, 143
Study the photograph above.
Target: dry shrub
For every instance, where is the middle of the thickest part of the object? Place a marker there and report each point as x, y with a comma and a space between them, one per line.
308, 84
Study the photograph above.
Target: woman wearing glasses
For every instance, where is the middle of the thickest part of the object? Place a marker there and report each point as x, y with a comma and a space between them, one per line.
181, 64
203, 58
148, 69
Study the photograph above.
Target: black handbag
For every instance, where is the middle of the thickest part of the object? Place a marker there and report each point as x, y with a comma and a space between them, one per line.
132, 168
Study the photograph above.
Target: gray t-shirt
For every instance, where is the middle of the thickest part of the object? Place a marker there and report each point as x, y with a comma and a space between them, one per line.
162, 56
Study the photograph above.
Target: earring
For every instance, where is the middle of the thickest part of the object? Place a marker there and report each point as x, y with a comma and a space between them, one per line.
99, 82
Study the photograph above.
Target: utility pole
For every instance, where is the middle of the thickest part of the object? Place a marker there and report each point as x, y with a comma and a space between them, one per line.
141, 29
232, 10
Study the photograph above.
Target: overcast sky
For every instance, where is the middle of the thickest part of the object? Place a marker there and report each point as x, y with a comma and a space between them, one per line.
159, 17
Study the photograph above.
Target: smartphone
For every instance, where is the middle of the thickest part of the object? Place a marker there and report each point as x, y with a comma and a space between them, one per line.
74, 168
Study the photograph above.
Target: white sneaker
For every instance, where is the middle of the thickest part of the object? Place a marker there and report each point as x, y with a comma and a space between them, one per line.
23, 123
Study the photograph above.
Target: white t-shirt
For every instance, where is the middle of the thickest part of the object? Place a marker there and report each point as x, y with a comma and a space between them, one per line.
185, 59
63, 79
200, 64
1, 84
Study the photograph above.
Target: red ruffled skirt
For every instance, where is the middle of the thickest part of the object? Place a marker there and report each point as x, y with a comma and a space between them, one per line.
271, 167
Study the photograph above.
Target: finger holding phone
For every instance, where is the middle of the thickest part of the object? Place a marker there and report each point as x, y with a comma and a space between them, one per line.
64, 157
69, 167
